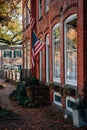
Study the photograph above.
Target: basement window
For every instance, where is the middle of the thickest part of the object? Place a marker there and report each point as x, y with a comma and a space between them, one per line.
57, 99
70, 103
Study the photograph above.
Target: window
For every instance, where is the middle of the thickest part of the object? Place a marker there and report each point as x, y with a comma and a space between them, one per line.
28, 13
57, 99
46, 5
70, 103
25, 57
28, 55
47, 59
24, 18
56, 53
40, 9
7, 53
71, 50
17, 53
27, 18
6, 67
41, 65
17, 67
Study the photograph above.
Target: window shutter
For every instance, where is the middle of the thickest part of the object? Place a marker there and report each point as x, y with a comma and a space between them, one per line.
4, 53
10, 54
20, 67
20, 53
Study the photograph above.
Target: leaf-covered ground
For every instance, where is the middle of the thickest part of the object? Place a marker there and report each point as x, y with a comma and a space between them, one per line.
41, 118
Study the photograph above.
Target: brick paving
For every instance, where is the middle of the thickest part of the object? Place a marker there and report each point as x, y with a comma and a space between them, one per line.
41, 118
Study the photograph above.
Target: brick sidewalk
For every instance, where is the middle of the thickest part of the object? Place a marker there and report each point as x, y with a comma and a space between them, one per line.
41, 118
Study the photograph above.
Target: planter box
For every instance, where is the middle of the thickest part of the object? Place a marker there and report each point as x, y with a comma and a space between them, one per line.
78, 120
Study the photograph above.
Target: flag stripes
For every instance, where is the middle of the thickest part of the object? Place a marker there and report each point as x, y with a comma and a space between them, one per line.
32, 19
37, 46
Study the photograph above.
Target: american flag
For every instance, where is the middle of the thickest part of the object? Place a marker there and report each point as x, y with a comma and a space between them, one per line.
37, 46
32, 19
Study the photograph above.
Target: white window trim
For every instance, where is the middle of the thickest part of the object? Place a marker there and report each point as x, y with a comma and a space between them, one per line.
70, 18
47, 58
58, 80
40, 65
68, 98
57, 103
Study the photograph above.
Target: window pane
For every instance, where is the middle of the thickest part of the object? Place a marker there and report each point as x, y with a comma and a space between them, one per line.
71, 50
46, 5
58, 99
56, 65
71, 65
40, 9
24, 17
71, 104
56, 52
71, 35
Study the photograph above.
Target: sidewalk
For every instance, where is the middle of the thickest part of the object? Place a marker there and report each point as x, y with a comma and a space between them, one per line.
43, 118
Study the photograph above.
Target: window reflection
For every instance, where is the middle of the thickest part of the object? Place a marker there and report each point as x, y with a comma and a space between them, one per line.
71, 50
71, 35
56, 52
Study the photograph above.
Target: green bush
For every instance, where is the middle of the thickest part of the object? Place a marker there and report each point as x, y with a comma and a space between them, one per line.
21, 97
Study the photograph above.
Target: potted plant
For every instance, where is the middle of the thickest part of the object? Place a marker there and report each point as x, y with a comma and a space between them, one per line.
69, 91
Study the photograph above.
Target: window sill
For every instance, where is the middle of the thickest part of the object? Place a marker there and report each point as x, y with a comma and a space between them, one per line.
71, 82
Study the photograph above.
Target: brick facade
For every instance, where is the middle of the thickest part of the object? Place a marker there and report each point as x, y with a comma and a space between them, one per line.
59, 11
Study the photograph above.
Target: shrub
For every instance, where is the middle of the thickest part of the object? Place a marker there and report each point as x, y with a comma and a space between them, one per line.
20, 95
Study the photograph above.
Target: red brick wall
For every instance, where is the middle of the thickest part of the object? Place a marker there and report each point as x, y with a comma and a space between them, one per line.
49, 19
59, 10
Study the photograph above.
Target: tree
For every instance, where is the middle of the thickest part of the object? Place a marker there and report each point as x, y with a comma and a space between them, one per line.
8, 8
11, 27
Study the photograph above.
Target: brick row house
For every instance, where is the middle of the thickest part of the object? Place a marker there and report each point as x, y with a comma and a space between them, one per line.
61, 24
